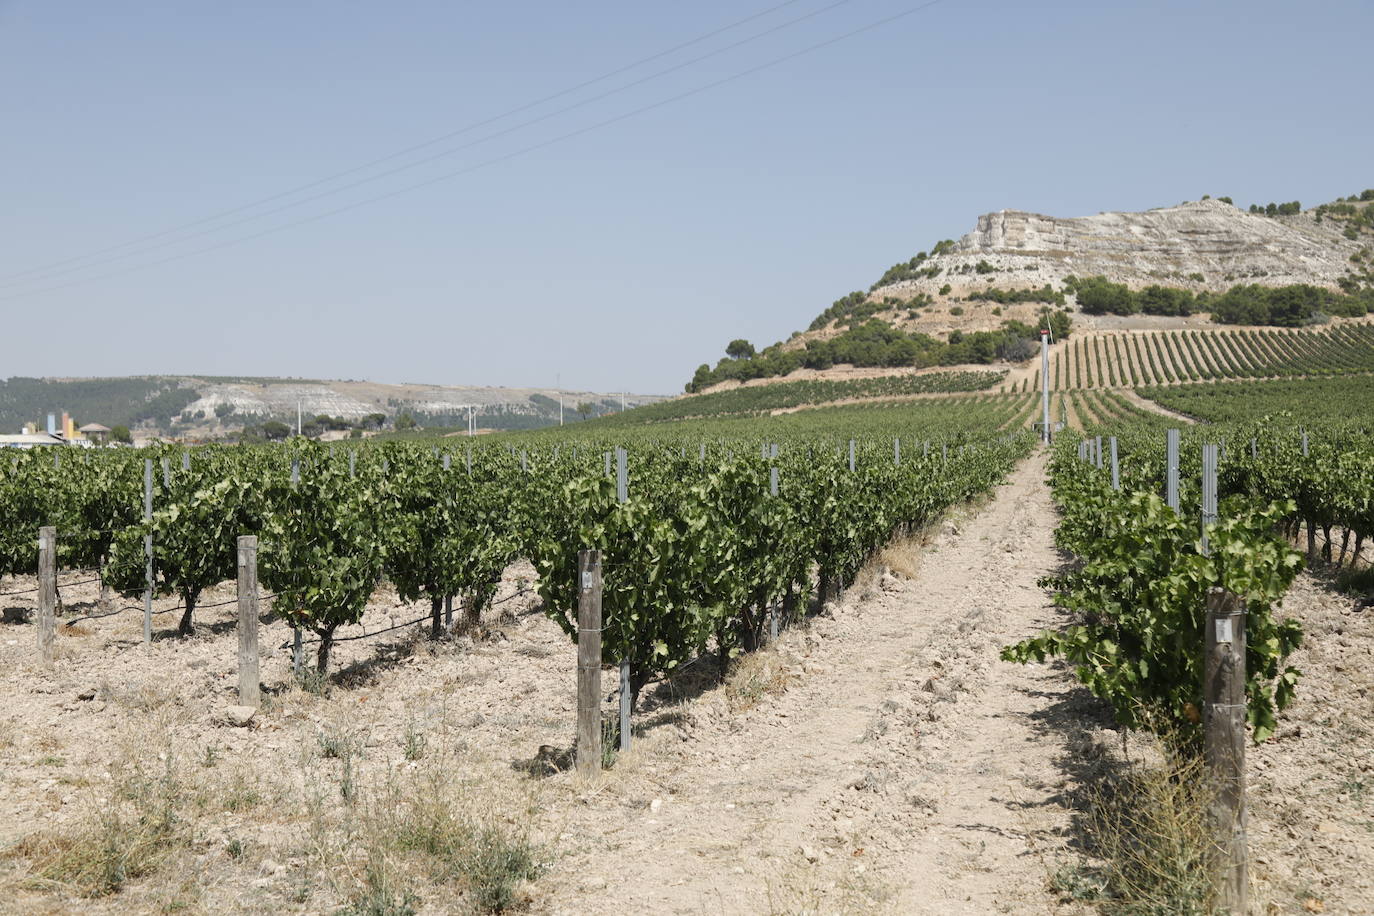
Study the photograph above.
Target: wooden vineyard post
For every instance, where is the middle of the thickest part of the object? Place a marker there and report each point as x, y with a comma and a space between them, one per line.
589, 662
1223, 717
249, 683
47, 592
1116, 467
148, 553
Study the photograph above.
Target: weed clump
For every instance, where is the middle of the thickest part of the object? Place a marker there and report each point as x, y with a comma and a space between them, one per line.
135, 825
1149, 826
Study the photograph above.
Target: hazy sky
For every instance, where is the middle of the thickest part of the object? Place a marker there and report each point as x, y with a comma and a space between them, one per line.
624, 255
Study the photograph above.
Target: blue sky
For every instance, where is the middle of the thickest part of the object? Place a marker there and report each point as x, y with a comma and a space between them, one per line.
626, 255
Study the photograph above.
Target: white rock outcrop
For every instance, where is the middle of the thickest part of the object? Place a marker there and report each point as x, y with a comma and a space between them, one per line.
1173, 246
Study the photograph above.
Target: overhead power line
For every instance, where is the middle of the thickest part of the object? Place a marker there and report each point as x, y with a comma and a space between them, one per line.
44, 270
253, 217
560, 138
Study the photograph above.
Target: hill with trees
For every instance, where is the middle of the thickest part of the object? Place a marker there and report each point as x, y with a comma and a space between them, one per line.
981, 300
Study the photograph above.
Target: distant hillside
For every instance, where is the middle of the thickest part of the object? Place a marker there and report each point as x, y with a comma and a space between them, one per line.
208, 406
980, 300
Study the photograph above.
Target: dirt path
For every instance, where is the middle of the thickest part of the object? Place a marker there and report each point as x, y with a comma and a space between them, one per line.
1146, 404
880, 759
907, 770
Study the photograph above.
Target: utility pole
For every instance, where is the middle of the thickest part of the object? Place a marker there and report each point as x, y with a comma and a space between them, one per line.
558, 381
622, 402
298, 417
1045, 383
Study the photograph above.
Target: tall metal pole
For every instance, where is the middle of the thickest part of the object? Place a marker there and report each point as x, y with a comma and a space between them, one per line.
1045, 383
298, 418
589, 662
1171, 469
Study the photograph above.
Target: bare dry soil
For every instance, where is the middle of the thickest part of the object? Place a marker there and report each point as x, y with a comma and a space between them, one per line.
879, 758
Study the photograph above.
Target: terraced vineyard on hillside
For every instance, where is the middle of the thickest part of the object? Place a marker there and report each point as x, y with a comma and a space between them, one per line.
1128, 359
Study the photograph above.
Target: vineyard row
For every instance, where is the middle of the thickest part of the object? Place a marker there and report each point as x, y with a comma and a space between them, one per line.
1143, 358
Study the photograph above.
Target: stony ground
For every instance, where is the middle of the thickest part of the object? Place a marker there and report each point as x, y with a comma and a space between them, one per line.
879, 758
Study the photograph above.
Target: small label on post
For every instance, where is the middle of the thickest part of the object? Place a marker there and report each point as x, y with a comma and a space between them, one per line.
587, 579
1224, 629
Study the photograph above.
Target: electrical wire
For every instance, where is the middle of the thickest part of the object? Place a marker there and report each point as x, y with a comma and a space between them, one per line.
506, 157
51, 269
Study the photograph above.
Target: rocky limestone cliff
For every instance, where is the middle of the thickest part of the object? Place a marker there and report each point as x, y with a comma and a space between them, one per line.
1171, 246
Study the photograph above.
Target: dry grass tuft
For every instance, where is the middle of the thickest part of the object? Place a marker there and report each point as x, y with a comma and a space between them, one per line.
1149, 826
145, 698
377, 829
808, 890
466, 836
133, 824
903, 556
756, 675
